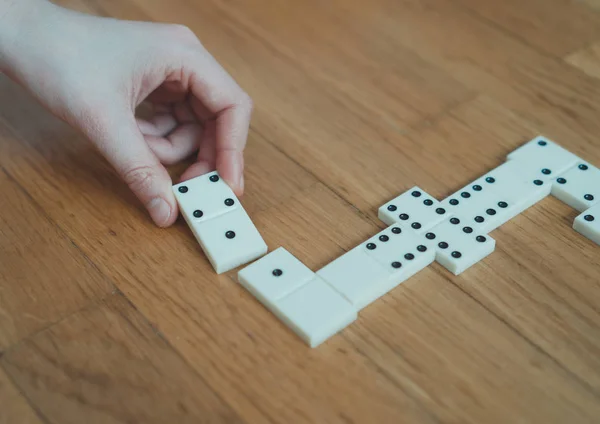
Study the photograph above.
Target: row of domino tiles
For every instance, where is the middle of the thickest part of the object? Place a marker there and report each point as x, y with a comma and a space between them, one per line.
453, 232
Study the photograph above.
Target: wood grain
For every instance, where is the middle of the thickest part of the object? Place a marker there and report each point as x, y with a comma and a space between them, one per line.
43, 275
587, 59
15, 408
107, 364
355, 103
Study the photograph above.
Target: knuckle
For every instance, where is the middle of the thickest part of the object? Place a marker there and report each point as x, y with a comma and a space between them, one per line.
140, 178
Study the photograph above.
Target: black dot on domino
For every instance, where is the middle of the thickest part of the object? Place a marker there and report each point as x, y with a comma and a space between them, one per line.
214, 178
453, 202
465, 194
588, 197
456, 254
183, 189
589, 218
583, 167
542, 143
383, 238
277, 272
403, 216
502, 205
392, 208
440, 211
561, 180
490, 211
396, 230
428, 202
409, 256
396, 264
546, 171
477, 187
538, 182
443, 245
371, 246
230, 234
198, 213
490, 180
416, 193
421, 248
415, 225
479, 219
430, 236
481, 239
454, 221
229, 202
467, 230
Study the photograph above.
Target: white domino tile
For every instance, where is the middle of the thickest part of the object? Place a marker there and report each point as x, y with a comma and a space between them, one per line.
458, 246
358, 277
546, 159
204, 197
414, 208
399, 250
315, 311
517, 184
588, 223
219, 222
274, 276
229, 240
579, 187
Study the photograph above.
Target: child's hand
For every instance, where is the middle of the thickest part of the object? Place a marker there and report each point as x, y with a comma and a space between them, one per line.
93, 72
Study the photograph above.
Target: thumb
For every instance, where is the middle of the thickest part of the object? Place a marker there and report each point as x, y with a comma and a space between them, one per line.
120, 141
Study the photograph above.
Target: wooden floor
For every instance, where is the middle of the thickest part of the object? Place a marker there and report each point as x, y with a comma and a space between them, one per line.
104, 318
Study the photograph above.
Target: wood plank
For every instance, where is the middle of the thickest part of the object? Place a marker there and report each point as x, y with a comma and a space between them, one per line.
538, 255
43, 275
107, 364
250, 358
15, 408
556, 27
549, 93
587, 59
265, 372
455, 356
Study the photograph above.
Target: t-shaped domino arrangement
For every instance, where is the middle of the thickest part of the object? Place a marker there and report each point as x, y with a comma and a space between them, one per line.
453, 232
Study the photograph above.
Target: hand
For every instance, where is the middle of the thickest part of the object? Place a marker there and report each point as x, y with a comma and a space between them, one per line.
93, 73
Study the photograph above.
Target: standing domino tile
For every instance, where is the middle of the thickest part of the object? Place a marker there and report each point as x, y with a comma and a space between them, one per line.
230, 240
459, 246
204, 197
219, 222
546, 159
579, 187
274, 276
414, 208
588, 223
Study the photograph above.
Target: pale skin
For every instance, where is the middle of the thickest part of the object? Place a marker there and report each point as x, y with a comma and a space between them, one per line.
94, 72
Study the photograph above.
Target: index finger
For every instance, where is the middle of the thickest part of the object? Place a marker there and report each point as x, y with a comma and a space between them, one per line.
230, 106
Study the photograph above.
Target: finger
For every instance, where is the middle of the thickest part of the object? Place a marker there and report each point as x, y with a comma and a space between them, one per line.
219, 93
117, 136
206, 154
168, 92
178, 145
159, 125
